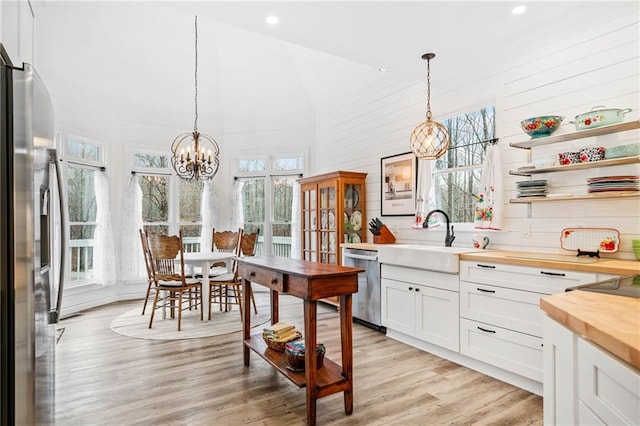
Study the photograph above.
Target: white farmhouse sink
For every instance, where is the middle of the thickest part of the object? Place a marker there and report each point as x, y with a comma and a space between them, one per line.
433, 258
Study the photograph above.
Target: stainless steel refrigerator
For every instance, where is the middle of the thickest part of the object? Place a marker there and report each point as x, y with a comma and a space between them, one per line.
32, 247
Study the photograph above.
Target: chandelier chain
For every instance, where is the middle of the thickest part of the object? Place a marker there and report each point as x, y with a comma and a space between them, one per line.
195, 123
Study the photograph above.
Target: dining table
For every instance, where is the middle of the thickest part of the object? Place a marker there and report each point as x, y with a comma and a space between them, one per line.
205, 259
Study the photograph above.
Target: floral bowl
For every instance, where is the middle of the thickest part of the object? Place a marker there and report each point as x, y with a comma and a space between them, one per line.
592, 154
539, 127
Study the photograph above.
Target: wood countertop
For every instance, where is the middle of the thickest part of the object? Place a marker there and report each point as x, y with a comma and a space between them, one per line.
557, 261
363, 246
611, 322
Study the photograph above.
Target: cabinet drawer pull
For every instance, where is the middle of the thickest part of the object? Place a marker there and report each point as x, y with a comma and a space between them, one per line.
486, 331
480, 265
554, 274
252, 275
417, 289
410, 288
485, 291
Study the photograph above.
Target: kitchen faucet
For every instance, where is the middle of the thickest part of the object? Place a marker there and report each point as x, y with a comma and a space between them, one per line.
448, 239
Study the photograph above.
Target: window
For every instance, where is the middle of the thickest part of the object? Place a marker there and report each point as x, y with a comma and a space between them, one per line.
457, 174
82, 156
169, 204
267, 196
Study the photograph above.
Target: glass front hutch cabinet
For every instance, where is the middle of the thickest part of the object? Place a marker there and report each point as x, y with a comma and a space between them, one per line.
333, 212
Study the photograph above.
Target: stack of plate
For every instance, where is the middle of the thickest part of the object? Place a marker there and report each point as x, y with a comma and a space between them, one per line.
614, 183
532, 188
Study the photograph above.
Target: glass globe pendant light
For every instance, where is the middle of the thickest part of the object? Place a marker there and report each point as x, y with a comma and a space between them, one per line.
430, 139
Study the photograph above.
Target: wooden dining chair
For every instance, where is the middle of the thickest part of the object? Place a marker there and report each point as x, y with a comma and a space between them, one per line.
147, 263
229, 286
226, 241
167, 261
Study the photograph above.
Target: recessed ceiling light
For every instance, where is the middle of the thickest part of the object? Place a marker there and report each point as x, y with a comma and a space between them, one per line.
383, 69
272, 20
519, 10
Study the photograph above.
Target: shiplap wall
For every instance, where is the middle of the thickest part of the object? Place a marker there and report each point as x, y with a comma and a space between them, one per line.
599, 66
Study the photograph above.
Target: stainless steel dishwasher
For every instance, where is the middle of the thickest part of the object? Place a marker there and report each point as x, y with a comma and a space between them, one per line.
366, 302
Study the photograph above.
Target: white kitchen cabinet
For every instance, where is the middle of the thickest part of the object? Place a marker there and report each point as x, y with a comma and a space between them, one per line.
398, 306
609, 387
421, 304
516, 352
504, 307
16, 30
584, 384
501, 321
559, 384
524, 278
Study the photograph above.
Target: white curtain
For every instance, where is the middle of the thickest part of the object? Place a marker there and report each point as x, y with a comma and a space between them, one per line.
237, 216
295, 222
131, 258
104, 262
209, 214
489, 207
425, 195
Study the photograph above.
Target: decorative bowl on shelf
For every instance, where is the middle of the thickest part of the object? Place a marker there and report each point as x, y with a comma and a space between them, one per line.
592, 154
539, 127
623, 151
569, 157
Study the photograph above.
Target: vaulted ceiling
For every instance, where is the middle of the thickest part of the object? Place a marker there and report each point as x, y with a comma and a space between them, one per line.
135, 60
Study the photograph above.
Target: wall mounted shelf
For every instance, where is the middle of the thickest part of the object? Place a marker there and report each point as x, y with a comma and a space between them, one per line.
578, 166
600, 196
598, 131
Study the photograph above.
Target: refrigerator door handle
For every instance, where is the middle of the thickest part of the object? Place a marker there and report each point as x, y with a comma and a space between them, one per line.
54, 313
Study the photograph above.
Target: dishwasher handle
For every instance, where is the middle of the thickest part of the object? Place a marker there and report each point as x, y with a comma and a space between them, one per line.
359, 256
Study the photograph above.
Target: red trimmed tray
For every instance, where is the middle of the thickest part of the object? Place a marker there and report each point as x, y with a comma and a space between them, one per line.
605, 240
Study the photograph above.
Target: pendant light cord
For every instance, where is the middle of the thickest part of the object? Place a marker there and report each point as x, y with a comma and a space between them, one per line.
428, 89
195, 123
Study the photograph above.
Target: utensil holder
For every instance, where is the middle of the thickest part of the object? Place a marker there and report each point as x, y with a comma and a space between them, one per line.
385, 237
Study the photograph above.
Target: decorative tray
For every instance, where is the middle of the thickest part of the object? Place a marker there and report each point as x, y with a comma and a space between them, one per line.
605, 240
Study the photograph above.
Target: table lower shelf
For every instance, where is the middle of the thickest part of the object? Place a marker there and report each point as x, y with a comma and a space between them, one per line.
329, 376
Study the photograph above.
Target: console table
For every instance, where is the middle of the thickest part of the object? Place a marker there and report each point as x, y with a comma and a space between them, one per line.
311, 282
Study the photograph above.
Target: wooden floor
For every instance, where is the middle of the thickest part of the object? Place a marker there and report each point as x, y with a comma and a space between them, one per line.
104, 378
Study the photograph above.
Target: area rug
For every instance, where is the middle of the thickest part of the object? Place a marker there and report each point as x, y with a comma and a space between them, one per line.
133, 324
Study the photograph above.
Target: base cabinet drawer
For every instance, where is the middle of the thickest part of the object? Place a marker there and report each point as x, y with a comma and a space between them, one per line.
609, 387
512, 351
512, 309
540, 280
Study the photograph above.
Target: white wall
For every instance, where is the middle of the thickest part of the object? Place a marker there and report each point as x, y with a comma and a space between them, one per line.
600, 66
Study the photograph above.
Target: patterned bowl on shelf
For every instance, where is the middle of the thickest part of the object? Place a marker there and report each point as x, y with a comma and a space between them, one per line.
539, 127
568, 157
592, 154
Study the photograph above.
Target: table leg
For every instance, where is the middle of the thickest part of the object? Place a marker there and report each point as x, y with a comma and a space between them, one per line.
206, 267
246, 318
346, 338
310, 338
275, 306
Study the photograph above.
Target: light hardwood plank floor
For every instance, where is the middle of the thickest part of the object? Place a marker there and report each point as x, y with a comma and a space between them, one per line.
104, 378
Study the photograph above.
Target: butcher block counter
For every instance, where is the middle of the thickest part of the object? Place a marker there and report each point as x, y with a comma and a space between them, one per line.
362, 246
611, 322
557, 261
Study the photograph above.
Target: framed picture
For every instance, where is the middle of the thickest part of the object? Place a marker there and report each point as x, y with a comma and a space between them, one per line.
399, 182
